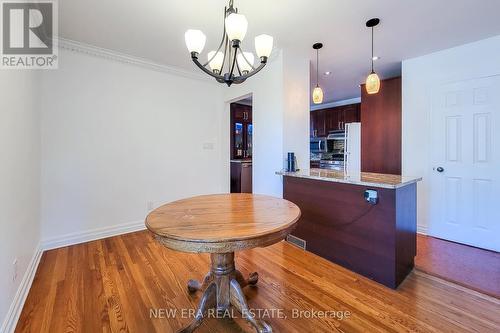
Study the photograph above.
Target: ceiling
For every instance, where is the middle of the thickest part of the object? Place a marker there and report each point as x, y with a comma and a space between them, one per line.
154, 29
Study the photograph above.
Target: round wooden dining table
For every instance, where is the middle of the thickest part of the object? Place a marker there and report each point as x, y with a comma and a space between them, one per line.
221, 224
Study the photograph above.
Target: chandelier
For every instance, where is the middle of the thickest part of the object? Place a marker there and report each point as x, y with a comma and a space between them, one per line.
229, 64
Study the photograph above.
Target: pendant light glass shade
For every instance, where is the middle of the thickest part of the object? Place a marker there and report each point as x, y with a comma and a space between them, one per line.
195, 40
217, 61
263, 45
243, 64
372, 83
317, 95
236, 26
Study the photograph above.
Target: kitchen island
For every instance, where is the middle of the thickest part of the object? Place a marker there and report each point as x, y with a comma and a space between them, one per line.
375, 238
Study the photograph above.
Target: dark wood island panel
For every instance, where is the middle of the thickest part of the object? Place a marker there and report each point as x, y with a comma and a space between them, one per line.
337, 223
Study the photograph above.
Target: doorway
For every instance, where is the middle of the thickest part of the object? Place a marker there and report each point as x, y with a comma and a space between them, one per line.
241, 137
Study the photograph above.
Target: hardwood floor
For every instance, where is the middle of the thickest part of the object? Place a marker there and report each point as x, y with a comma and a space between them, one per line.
468, 266
111, 285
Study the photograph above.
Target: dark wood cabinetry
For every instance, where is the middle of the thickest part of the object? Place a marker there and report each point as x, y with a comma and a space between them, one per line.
242, 112
339, 116
314, 164
241, 148
241, 177
241, 131
331, 119
351, 114
381, 128
318, 125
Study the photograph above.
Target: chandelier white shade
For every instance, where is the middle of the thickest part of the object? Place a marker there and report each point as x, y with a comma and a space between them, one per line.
215, 60
236, 26
229, 64
245, 61
195, 40
263, 45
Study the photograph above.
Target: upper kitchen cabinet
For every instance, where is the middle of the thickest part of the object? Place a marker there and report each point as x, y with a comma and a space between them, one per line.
318, 125
241, 112
241, 131
351, 114
332, 119
341, 115
381, 128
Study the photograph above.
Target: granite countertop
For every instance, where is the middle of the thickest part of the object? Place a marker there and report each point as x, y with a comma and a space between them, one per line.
242, 161
363, 178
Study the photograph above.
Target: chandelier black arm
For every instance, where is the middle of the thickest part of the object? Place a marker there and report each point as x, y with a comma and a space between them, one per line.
243, 55
194, 57
221, 42
234, 62
226, 40
238, 68
241, 79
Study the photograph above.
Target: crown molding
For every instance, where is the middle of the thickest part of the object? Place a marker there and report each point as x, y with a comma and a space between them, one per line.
87, 49
91, 50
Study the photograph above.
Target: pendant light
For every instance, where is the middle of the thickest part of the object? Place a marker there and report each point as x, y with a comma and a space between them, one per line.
372, 81
317, 92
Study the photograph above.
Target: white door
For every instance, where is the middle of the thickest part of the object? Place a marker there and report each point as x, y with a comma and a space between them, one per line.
465, 163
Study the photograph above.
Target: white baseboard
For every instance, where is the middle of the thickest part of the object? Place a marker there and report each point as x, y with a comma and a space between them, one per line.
10, 322
422, 229
90, 235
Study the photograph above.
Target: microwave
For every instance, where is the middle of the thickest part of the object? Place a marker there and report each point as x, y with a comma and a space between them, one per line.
318, 145
335, 142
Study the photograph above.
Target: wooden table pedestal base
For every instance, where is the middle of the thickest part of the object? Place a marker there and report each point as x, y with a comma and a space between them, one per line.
222, 287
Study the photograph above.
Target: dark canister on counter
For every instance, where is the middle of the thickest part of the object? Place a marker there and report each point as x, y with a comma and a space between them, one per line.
291, 165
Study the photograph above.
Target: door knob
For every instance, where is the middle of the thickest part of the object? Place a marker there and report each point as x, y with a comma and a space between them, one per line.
440, 169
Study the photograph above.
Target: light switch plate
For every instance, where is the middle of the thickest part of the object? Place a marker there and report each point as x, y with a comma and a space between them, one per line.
208, 146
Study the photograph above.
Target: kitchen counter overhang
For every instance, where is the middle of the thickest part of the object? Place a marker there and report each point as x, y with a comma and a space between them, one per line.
363, 178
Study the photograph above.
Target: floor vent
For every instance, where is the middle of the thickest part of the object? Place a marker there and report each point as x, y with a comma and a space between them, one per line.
296, 241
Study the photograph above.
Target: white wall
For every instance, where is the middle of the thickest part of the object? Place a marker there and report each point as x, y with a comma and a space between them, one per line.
296, 94
19, 179
117, 136
280, 116
420, 75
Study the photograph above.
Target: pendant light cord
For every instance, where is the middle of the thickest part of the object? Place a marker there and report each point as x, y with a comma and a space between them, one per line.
372, 50
317, 67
